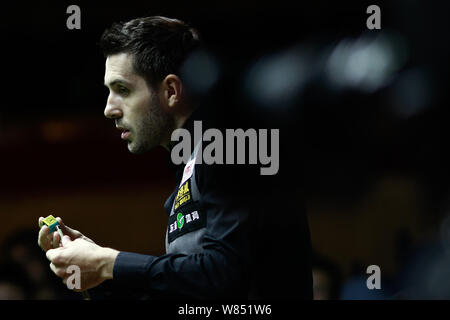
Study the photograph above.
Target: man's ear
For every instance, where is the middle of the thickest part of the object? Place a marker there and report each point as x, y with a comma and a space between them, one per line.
172, 90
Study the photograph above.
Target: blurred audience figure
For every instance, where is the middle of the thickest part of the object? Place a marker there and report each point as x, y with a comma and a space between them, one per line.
14, 282
20, 249
425, 274
424, 263
326, 278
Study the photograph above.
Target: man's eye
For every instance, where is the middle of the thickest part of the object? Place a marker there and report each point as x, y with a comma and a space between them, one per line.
123, 91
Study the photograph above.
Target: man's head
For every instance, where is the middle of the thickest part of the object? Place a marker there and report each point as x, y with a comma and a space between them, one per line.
146, 98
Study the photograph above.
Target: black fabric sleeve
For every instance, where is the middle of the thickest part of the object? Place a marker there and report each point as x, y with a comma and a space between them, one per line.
220, 270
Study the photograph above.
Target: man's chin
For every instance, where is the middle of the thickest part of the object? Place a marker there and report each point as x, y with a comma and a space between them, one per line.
133, 149
136, 149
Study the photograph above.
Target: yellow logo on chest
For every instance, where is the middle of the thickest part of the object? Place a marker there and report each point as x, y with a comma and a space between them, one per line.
183, 195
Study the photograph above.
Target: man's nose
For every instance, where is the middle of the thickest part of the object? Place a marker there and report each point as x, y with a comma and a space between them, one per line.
112, 109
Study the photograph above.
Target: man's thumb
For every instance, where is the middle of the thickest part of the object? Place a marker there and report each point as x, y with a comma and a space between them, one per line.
65, 240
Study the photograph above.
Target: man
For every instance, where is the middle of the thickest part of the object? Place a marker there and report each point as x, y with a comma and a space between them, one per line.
216, 242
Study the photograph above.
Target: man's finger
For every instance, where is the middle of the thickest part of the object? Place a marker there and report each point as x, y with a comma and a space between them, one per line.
58, 271
74, 234
56, 239
52, 255
43, 240
53, 267
65, 240
39, 221
43, 231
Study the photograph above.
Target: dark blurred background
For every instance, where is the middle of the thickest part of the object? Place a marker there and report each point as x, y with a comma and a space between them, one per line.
362, 114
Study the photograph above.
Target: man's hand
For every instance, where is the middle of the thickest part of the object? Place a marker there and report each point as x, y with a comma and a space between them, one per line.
96, 263
48, 241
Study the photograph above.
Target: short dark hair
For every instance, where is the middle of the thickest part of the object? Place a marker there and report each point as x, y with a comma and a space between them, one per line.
159, 45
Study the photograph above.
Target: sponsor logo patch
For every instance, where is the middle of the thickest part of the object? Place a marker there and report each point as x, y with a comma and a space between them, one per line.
186, 219
188, 170
183, 195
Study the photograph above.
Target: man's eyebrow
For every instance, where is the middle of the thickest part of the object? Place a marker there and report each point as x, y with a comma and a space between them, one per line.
117, 81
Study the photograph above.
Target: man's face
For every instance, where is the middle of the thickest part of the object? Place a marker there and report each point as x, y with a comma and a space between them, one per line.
134, 106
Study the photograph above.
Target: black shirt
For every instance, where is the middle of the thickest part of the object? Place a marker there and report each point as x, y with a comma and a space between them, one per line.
256, 243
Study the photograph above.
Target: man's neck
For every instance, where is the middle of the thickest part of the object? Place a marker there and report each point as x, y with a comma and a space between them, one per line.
178, 123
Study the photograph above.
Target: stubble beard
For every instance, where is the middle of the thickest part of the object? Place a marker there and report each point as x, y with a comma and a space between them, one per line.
153, 128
